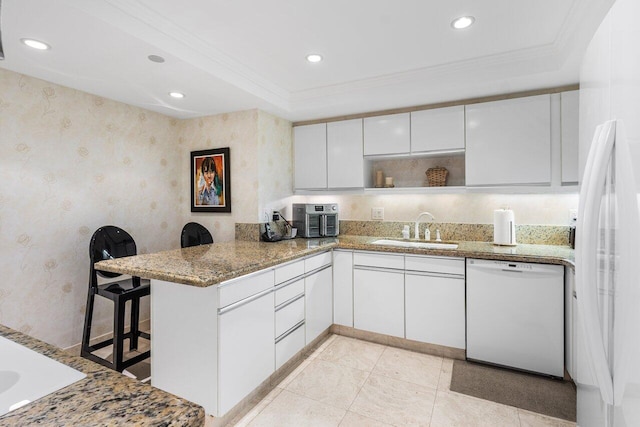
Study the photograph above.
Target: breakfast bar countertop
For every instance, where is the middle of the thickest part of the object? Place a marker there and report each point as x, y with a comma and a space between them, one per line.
103, 397
208, 265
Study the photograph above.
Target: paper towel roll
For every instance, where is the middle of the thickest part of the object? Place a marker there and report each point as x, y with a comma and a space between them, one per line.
504, 227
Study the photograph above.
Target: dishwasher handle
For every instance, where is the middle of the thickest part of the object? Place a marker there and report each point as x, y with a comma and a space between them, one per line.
510, 267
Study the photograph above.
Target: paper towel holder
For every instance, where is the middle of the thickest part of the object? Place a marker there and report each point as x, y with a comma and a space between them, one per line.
504, 229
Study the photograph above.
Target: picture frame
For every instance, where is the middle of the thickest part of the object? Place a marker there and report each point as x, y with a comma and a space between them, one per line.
211, 180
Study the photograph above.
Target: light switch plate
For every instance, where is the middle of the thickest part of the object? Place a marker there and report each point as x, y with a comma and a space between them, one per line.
377, 213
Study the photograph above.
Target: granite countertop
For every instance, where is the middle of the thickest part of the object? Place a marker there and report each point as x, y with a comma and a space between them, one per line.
546, 254
104, 397
208, 265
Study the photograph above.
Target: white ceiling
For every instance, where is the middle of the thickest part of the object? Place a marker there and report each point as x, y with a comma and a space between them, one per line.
230, 55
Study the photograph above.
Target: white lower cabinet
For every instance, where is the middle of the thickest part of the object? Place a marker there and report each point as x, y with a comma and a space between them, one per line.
378, 293
319, 302
435, 300
435, 311
246, 349
289, 344
570, 321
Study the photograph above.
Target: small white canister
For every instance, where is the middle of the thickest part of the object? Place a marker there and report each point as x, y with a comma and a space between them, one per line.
504, 227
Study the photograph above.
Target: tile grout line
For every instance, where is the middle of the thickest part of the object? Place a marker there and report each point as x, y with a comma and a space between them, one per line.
366, 379
433, 406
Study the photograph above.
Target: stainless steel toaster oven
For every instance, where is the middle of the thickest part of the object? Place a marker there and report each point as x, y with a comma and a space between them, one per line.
316, 220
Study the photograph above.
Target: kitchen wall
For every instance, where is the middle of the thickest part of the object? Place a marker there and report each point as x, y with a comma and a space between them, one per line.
71, 162
261, 167
472, 208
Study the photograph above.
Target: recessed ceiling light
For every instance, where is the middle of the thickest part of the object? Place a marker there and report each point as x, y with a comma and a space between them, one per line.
176, 94
314, 57
462, 22
36, 44
156, 58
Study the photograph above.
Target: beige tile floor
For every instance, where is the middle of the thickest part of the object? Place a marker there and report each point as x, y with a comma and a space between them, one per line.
347, 382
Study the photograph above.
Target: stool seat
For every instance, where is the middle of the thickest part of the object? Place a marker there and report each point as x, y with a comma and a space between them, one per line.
111, 242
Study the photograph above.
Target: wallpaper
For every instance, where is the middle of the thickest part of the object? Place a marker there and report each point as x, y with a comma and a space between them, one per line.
71, 162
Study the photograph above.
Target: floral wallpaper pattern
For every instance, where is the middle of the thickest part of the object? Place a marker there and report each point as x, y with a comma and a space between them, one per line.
71, 162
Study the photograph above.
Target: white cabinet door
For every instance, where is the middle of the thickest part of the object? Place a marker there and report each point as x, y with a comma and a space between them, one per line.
387, 134
246, 349
570, 321
345, 163
343, 288
378, 301
435, 311
310, 151
319, 303
439, 129
569, 104
509, 142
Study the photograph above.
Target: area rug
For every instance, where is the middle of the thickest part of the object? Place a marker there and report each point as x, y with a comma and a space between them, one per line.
555, 398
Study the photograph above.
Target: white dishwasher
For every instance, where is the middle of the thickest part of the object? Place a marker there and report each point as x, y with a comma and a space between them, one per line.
515, 315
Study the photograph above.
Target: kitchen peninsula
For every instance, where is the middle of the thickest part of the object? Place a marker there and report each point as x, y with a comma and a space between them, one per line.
214, 308
104, 397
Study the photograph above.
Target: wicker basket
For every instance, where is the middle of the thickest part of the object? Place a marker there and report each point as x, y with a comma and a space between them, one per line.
437, 176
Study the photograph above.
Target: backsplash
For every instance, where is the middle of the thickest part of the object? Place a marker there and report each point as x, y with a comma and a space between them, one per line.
248, 231
528, 234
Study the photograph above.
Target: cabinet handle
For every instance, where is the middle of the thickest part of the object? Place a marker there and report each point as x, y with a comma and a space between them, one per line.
289, 282
242, 302
289, 302
433, 274
317, 270
384, 269
290, 331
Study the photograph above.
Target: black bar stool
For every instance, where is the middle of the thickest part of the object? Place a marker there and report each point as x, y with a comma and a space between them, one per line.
194, 234
111, 242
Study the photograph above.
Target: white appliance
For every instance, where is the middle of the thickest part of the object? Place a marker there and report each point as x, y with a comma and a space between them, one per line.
607, 284
515, 315
607, 371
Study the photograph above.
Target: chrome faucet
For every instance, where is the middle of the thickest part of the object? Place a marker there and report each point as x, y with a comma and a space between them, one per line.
417, 230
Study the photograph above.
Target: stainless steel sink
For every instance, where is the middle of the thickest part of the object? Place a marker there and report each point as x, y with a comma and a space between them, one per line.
414, 244
27, 375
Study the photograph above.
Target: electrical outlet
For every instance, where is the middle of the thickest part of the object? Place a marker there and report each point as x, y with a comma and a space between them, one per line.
573, 215
266, 215
377, 213
276, 216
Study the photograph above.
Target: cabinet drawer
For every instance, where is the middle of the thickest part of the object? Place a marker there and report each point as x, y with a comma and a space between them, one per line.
289, 291
288, 346
317, 261
289, 271
435, 264
287, 317
378, 260
239, 289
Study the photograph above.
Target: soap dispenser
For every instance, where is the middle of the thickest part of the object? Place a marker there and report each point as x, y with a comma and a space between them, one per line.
427, 234
405, 232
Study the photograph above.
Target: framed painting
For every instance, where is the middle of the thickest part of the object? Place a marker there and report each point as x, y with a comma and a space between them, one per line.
211, 180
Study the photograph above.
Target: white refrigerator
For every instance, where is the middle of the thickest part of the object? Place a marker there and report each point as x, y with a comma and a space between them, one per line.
607, 371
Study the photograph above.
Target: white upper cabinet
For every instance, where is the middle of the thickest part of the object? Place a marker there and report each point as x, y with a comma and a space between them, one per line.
509, 142
344, 154
569, 104
387, 135
439, 129
310, 147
